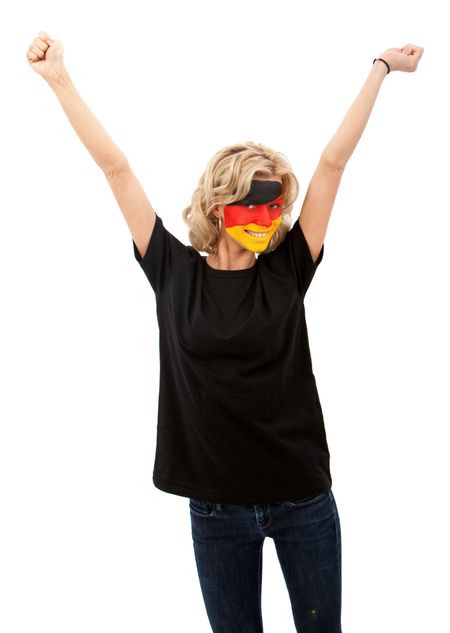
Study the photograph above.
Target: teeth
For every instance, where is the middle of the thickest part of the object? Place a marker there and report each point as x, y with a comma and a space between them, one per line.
256, 234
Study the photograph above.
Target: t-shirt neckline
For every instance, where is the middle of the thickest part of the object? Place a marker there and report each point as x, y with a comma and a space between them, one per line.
217, 272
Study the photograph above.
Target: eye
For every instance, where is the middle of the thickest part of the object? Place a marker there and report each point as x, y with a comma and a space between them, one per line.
249, 204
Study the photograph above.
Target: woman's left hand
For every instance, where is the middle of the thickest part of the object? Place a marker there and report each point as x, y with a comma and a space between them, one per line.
406, 58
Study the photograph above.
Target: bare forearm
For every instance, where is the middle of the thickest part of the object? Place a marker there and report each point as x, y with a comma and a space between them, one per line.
92, 134
341, 146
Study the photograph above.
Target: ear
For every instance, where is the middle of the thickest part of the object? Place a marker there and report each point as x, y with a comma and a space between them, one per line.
218, 211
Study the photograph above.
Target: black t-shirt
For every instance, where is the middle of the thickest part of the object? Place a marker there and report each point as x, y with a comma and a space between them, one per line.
239, 416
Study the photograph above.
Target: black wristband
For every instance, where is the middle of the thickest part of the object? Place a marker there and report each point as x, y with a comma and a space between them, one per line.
382, 60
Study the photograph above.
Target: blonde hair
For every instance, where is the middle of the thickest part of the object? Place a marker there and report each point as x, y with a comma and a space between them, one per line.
227, 178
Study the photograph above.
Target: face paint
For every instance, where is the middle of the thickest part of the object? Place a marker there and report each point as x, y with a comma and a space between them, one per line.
259, 212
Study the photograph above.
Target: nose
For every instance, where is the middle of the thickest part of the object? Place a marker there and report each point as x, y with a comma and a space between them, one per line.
264, 218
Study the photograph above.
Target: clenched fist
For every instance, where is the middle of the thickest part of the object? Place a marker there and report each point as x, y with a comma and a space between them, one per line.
45, 56
404, 59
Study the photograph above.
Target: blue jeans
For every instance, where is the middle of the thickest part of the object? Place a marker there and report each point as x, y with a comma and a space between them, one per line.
228, 542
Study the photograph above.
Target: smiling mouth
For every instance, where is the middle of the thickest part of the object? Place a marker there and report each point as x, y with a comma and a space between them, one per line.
256, 234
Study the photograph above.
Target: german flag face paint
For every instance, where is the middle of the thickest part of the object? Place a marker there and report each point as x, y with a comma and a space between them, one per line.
254, 219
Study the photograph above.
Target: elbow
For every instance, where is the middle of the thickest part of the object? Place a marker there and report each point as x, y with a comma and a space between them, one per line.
118, 167
333, 162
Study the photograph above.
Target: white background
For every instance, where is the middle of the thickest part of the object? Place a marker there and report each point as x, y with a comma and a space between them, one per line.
87, 542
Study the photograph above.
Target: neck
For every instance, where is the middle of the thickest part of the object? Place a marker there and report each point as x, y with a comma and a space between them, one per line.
226, 261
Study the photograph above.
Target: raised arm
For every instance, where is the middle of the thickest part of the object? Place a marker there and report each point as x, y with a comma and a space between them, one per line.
341, 146
45, 56
322, 190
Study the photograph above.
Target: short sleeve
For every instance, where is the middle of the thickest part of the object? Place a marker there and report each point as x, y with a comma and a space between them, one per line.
164, 255
294, 257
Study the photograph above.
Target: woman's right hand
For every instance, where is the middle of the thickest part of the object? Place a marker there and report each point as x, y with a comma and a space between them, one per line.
45, 56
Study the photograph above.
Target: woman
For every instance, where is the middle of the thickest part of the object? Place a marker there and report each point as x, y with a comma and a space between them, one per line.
240, 427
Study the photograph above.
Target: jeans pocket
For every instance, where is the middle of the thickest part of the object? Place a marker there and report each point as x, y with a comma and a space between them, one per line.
201, 508
306, 501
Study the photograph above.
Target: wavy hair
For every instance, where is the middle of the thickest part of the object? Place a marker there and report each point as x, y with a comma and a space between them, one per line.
227, 178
